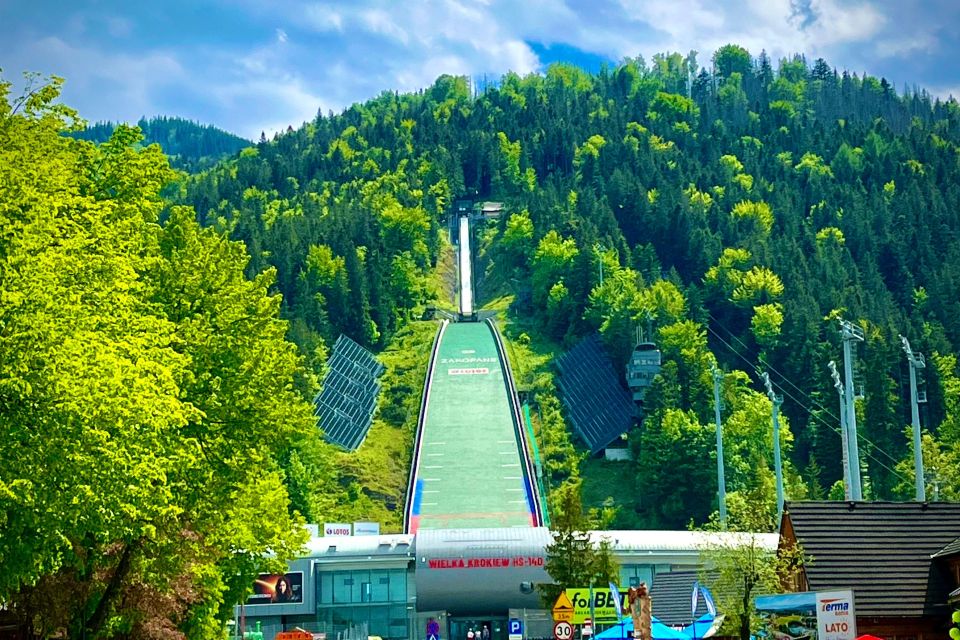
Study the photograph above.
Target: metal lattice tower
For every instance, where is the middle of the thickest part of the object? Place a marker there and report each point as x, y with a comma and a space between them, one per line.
851, 333
776, 401
916, 362
838, 385
721, 482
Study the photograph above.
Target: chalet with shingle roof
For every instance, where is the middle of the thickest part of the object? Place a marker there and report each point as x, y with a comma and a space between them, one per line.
951, 549
900, 559
671, 598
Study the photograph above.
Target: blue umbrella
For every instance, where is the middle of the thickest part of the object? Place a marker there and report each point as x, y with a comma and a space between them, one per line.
624, 631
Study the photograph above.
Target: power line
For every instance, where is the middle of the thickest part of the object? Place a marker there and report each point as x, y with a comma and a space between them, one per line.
793, 398
770, 367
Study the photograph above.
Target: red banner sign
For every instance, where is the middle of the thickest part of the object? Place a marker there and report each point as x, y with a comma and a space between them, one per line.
484, 563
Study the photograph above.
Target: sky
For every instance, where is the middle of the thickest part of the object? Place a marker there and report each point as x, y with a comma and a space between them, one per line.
261, 65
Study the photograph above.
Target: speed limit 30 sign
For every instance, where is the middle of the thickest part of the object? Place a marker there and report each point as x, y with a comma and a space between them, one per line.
563, 630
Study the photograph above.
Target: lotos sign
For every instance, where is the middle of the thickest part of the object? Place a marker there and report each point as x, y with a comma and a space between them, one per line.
336, 529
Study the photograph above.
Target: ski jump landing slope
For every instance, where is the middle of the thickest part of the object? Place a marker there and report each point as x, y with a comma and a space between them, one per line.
470, 467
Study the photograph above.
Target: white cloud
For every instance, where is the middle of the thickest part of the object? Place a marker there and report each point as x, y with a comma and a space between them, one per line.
382, 23
284, 59
323, 18
675, 18
906, 45
274, 104
840, 22
101, 85
945, 92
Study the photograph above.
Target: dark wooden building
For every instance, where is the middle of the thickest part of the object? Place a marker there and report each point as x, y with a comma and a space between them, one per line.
671, 598
902, 559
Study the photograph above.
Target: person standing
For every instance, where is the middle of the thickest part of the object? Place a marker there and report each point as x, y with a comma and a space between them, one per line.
433, 629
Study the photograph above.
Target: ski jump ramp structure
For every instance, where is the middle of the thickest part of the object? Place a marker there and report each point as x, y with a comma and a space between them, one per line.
472, 466
474, 543
465, 269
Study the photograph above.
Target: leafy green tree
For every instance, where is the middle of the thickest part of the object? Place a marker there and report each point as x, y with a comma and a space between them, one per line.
741, 565
674, 439
572, 559
730, 59
143, 378
517, 239
554, 257
189, 145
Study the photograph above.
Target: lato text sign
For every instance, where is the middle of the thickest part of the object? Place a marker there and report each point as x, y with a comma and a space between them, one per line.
836, 618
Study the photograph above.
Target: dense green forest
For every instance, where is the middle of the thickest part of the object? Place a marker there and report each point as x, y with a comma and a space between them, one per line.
161, 335
738, 214
157, 443
191, 146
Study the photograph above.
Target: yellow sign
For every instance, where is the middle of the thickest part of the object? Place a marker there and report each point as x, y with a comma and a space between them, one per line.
604, 606
562, 609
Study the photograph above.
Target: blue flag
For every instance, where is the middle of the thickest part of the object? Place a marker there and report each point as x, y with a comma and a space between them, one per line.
615, 594
701, 590
708, 599
693, 599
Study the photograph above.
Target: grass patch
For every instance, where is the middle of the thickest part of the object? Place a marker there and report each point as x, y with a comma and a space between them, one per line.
610, 483
380, 467
442, 282
531, 354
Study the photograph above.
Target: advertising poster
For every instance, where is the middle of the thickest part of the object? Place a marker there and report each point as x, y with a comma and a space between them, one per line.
811, 615
272, 588
791, 616
366, 528
836, 617
603, 609
337, 530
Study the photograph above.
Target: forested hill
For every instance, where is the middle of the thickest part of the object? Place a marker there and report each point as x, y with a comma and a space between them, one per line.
739, 214
191, 146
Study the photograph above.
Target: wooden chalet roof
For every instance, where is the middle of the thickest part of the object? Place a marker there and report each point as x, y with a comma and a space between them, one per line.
670, 598
882, 550
951, 549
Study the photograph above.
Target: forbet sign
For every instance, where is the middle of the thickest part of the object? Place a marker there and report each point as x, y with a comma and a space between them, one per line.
836, 617
605, 608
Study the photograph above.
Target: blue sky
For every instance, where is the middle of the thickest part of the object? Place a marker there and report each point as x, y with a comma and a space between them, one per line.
252, 65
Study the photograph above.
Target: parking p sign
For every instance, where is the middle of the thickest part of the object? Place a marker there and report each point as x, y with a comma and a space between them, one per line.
515, 629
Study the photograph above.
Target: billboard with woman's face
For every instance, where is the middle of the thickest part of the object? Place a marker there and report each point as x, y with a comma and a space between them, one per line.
274, 588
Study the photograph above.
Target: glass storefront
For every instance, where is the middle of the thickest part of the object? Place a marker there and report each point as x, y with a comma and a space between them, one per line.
631, 575
375, 598
483, 628
361, 586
